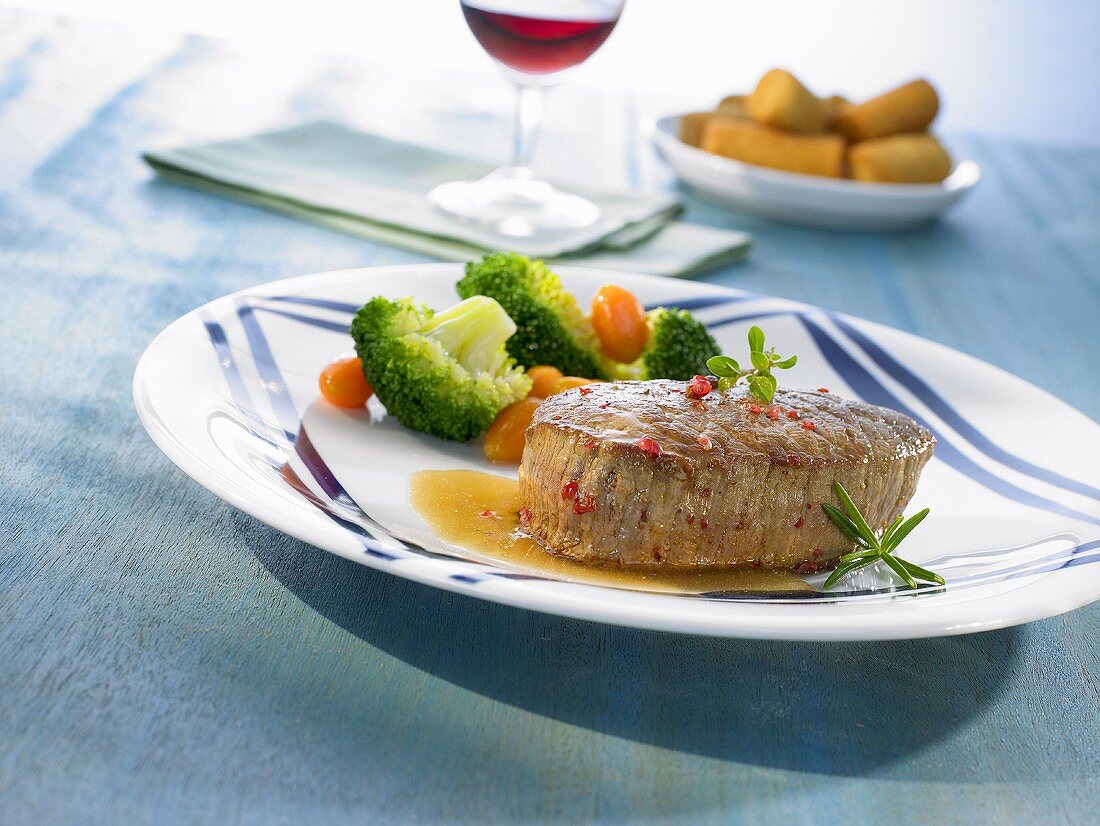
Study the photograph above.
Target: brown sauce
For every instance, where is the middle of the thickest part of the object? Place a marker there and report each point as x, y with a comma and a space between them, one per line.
479, 512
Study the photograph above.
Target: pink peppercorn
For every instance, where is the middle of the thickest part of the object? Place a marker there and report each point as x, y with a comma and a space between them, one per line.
699, 387
584, 503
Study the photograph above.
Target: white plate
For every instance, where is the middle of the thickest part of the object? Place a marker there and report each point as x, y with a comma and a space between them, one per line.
229, 393
808, 199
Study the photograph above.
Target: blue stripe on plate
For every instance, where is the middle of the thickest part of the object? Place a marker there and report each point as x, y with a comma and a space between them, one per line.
703, 301
870, 389
733, 319
226, 361
1078, 555
306, 301
233, 379
277, 391
324, 324
326, 479
941, 408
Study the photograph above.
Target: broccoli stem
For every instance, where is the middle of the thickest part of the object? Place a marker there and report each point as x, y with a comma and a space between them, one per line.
473, 332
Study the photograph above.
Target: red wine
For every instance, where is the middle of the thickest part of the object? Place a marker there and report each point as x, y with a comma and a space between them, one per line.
538, 45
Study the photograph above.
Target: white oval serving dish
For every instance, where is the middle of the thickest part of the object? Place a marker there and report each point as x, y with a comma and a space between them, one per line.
809, 200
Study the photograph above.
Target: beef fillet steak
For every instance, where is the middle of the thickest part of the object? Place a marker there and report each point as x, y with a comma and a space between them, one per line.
645, 473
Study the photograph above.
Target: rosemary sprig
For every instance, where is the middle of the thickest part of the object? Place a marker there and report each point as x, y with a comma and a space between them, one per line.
762, 383
873, 549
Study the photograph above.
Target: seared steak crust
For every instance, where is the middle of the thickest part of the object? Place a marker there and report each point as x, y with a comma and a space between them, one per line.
641, 473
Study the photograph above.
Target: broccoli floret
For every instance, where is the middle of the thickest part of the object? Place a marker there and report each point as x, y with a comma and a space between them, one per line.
551, 328
678, 345
448, 373
678, 348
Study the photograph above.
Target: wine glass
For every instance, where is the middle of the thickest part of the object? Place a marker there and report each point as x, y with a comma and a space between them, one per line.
534, 42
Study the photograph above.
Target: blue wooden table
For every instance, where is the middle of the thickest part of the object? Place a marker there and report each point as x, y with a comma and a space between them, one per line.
165, 658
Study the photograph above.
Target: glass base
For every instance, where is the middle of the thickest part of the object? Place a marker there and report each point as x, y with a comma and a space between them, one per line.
514, 202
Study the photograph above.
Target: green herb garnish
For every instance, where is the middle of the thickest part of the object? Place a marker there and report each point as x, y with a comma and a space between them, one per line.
762, 383
855, 527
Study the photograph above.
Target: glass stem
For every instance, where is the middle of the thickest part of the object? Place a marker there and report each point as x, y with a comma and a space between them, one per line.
528, 115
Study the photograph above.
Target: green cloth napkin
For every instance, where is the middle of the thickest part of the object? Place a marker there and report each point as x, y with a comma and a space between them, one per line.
376, 188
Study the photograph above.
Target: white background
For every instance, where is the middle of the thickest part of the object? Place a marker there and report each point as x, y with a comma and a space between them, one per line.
1008, 67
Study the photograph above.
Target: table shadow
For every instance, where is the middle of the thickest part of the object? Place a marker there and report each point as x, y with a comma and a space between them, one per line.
829, 708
